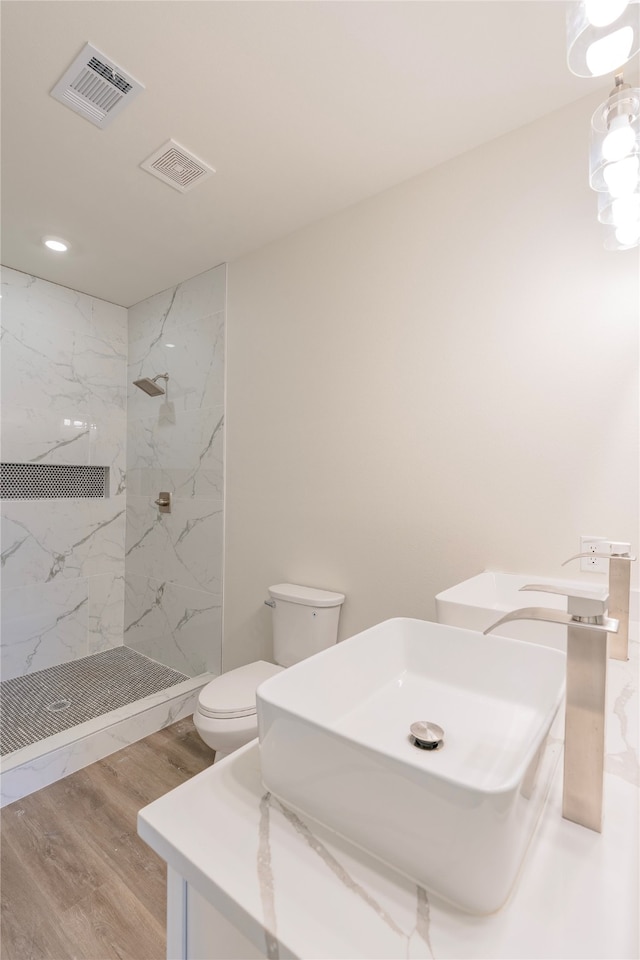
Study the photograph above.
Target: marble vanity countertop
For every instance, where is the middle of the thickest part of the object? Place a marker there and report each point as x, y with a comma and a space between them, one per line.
295, 889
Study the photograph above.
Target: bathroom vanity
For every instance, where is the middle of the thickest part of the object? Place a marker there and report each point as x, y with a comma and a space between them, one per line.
248, 878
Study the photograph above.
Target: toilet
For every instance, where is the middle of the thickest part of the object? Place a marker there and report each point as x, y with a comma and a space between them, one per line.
305, 621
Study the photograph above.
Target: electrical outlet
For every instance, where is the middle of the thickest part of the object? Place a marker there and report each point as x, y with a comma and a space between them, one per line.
594, 545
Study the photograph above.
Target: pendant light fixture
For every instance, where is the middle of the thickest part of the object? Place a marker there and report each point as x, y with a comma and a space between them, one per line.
603, 35
614, 164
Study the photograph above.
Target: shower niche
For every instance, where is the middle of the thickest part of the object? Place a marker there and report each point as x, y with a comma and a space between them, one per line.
50, 481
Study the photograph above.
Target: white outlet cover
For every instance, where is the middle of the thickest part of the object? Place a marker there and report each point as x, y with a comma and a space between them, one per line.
597, 545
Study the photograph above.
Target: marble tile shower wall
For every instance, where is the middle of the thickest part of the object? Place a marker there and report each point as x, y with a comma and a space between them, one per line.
63, 368
173, 583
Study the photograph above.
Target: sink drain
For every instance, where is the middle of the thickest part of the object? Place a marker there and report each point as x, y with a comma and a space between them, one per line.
58, 705
426, 735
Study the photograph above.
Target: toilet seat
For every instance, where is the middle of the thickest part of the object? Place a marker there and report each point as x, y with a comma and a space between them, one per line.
233, 694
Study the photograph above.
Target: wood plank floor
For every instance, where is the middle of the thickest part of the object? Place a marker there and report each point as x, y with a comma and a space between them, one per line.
77, 883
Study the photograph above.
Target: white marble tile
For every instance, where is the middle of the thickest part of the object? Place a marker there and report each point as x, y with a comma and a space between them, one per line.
40, 764
105, 620
185, 457
43, 539
61, 392
200, 296
184, 547
46, 624
177, 626
40, 434
194, 362
148, 318
108, 449
38, 376
111, 321
180, 331
64, 371
100, 365
43, 625
27, 299
45, 435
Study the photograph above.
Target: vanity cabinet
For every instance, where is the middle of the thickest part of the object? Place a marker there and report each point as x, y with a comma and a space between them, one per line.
197, 931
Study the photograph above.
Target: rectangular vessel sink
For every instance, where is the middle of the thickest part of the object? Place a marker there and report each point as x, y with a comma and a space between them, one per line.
478, 602
335, 745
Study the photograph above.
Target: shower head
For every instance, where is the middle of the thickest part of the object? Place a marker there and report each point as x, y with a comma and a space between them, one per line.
150, 386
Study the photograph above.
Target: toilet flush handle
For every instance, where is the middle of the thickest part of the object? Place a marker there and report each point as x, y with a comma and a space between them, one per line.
270, 603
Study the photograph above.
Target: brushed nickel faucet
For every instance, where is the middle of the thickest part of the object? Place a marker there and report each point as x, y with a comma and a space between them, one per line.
588, 629
619, 588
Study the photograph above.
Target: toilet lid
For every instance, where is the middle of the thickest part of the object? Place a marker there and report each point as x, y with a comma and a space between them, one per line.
234, 693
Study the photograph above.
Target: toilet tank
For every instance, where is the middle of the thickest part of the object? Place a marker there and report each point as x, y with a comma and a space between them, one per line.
305, 621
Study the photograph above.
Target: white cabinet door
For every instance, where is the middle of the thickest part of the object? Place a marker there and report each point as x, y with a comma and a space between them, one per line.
197, 931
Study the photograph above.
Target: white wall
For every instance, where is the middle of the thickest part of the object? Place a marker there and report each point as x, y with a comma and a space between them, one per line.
441, 379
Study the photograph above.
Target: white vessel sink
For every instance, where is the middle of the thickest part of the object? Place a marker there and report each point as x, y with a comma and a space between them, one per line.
335, 745
478, 602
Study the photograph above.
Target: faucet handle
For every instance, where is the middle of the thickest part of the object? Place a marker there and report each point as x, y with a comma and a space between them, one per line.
620, 551
600, 556
580, 603
608, 624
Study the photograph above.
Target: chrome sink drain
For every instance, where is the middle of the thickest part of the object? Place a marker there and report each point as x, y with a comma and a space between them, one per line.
426, 735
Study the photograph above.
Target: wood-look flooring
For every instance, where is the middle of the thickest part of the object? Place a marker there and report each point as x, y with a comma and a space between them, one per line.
77, 883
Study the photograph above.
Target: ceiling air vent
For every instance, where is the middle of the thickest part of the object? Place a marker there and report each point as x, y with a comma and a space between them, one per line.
96, 87
176, 166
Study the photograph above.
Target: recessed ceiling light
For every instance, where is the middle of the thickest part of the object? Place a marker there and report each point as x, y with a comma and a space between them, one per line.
169, 344
55, 243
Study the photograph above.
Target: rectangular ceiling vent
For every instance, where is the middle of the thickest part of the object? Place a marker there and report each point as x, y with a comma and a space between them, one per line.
96, 87
176, 166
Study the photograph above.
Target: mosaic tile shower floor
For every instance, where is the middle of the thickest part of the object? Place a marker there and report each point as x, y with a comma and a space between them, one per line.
47, 702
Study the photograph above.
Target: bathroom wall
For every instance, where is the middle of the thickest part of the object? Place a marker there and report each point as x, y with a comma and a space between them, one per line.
439, 380
63, 367
173, 608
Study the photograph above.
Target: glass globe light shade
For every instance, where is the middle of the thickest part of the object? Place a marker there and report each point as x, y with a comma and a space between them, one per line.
618, 143
600, 13
619, 211
628, 234
624, 237
615, 136
623, 176
602, 35
608, 53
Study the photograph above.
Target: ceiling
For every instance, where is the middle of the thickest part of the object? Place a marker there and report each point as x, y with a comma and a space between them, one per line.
303, 108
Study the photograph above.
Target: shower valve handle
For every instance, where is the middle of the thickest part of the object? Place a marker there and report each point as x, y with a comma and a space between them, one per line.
164, 501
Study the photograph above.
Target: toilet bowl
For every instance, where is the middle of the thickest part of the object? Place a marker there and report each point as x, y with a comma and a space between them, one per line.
305, 621
225, 716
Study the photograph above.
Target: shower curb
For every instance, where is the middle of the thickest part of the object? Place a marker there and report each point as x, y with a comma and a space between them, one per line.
29, 769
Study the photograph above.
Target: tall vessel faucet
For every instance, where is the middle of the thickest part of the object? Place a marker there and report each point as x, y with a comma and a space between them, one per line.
588, 628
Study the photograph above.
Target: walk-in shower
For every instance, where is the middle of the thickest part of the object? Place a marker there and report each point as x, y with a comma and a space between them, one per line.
111, 611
